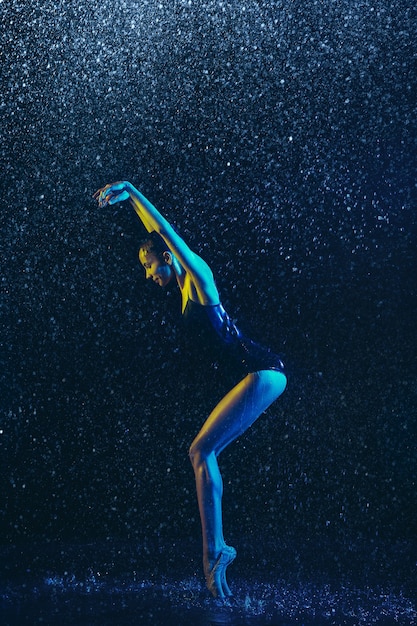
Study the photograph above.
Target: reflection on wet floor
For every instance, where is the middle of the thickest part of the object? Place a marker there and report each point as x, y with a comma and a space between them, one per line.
112, 583
102, 601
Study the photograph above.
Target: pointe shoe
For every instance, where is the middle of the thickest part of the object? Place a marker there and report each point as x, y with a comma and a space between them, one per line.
216, 578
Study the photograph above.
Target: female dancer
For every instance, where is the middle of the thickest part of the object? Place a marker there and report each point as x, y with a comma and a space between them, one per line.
165, 258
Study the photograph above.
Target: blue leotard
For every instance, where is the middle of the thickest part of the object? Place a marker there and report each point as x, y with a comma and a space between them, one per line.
215, 330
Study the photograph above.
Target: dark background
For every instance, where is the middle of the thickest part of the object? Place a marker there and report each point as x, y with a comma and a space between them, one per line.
281, 138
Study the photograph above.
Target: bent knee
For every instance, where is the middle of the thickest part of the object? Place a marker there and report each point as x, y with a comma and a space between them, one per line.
197, 453
194, 454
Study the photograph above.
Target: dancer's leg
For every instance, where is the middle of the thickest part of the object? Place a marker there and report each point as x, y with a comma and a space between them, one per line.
231, 417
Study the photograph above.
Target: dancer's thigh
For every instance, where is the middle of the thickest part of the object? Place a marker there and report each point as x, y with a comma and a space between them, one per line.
239, 409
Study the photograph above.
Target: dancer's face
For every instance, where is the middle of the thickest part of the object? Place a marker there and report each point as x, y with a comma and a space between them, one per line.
156, 268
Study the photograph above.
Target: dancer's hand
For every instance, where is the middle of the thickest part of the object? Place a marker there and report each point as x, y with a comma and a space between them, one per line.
110, 194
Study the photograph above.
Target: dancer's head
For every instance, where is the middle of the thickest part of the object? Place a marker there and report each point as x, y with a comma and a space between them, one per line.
157, 260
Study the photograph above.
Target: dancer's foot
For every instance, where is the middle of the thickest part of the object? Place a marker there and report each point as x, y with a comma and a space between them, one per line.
215, 572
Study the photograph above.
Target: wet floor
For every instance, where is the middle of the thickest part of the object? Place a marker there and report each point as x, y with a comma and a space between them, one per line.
58, 586
183, 602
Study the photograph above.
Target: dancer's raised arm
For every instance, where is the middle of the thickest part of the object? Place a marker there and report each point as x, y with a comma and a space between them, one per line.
120, 191
198, 270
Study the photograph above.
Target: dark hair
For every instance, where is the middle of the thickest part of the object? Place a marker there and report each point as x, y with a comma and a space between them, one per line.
153, 242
